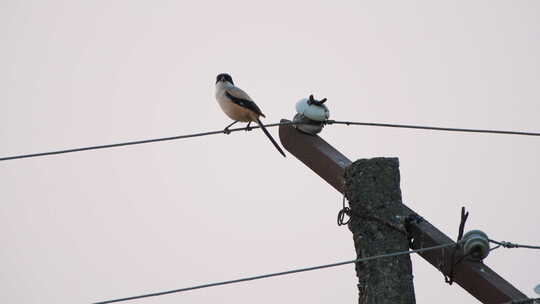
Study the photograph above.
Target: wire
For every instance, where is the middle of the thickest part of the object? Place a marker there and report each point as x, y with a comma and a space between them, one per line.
278, 273
328, 122
494, 248
450, 277
372, 124
512, 245
138, 142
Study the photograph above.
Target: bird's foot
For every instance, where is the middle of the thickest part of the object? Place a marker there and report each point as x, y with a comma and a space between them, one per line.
227, 131
248, 128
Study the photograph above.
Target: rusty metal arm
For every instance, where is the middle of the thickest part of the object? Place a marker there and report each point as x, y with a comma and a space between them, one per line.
475, 277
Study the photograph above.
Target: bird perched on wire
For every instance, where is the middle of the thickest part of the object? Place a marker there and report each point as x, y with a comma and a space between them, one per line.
239, 106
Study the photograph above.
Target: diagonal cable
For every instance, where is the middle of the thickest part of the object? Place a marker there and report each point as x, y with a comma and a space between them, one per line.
393, 254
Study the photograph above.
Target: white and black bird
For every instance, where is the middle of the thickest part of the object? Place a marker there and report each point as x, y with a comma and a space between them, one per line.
239, 106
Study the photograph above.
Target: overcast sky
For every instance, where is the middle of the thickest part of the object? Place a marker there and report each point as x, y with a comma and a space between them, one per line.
112, 223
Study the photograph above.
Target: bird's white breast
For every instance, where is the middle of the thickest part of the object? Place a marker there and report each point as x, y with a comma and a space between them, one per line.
234, 111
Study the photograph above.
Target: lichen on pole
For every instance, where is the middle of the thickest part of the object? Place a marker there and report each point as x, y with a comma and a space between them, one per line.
377, 223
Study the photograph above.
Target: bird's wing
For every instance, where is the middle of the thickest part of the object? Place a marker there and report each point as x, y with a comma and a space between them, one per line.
242, 99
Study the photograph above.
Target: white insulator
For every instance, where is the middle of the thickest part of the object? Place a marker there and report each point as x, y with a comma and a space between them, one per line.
311, 115
313, 111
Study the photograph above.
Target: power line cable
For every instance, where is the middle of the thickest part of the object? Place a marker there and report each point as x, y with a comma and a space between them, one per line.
328, 122
372, 124
278, 273
138, 142
512, 245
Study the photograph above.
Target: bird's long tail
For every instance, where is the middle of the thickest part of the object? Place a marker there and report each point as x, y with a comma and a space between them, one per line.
270, 137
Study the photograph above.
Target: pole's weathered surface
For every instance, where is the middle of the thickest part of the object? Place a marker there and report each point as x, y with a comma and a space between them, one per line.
372, 188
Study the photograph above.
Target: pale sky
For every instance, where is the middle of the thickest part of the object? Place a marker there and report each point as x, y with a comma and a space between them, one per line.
98, 225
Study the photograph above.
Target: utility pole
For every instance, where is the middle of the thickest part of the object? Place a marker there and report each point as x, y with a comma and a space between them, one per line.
372, 188
474, 276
